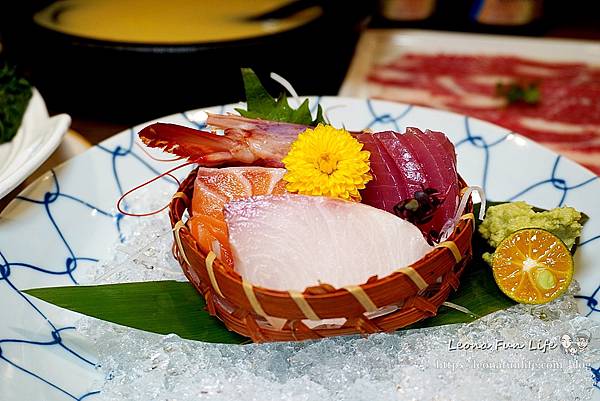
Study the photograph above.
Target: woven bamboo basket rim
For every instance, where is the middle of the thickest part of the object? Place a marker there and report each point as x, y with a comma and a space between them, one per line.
213, 279
420, 308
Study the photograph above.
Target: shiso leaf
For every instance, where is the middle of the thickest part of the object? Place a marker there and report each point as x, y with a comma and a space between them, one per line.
165, 307
161, 307
15, 93
260, 104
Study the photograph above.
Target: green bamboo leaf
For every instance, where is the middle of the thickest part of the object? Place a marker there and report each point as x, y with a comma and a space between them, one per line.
176, 307
478, 292
161, 307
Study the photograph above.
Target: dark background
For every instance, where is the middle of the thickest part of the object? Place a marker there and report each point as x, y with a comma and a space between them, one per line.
102, 82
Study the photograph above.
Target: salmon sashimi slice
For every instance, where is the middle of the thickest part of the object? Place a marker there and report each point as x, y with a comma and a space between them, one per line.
211, 235
214, 188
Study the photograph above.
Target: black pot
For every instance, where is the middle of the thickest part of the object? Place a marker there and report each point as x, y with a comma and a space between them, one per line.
128, 82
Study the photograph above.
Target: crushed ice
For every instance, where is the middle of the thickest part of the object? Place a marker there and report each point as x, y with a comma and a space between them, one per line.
514, 354
146, 252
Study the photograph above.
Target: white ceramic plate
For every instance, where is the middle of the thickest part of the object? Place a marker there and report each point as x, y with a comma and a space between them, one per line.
66, 221
38, 136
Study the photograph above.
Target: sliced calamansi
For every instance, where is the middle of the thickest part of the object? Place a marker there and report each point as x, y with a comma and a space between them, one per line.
532, 266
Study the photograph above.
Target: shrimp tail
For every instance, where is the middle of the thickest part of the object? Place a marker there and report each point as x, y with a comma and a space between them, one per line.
205, 148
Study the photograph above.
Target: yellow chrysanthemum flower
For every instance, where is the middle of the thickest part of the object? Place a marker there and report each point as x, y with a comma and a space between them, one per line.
327, 161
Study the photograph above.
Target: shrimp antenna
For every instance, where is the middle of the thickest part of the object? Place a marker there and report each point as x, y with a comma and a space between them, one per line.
150, 181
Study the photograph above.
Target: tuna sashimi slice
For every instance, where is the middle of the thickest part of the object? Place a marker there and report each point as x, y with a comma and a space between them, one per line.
290, 242
402, 164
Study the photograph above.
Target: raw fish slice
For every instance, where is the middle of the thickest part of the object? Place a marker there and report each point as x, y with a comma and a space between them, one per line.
397, 150
290, 242
213, 188
438, 161
388, 184
211, 235
424, 157
403, 164
438, 144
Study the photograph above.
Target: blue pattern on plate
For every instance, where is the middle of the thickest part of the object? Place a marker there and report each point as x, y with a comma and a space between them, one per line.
54, 333
386, 118
478, 141
559, 183
591, 301
596, 373
71, 260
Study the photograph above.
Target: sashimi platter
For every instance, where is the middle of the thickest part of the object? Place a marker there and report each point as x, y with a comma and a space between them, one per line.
301, 230
313, 250
266, 227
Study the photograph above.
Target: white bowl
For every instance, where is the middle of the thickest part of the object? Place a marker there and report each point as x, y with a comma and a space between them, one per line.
38, 136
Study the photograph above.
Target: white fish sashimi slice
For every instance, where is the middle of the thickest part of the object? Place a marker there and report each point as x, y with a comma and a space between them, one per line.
290, 242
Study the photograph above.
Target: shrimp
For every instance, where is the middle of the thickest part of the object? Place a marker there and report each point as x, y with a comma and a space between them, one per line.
245, 141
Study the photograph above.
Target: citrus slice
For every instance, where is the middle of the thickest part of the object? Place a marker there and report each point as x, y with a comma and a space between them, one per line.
532, 266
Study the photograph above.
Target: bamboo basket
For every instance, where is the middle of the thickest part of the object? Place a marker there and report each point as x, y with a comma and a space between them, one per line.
382, 304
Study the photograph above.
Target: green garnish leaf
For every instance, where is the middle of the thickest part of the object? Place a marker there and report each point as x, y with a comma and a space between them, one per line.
260, 104
519, 92
161, 307
15, 93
